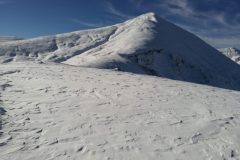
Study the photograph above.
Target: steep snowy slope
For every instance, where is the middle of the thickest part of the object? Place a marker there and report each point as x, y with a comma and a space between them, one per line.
232, 53
61, 112
146, 44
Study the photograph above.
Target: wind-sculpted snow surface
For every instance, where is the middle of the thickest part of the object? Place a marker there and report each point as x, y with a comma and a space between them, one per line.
60, 112
146, 44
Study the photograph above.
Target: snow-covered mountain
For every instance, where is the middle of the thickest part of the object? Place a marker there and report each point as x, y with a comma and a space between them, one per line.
232, 53
52, 110
146, 44
8, 38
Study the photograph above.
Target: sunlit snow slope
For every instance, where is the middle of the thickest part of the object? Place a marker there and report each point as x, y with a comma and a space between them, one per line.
146, 44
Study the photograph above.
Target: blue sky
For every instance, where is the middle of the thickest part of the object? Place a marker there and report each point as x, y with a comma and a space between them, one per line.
216, 21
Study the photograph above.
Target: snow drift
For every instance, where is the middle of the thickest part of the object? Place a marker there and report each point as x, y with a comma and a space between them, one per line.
146, 44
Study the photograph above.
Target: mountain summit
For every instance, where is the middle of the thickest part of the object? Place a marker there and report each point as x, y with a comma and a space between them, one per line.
146, 44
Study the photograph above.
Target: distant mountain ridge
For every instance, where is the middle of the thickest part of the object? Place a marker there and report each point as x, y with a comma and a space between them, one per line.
9, 38
232, 53
146, 44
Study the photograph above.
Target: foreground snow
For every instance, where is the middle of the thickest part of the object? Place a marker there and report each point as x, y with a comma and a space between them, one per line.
55, 111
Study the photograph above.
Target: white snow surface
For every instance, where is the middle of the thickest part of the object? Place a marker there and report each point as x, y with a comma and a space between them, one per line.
146, 44
55, 111
232, 53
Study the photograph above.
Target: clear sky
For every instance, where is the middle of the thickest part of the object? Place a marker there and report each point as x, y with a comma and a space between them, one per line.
216, 21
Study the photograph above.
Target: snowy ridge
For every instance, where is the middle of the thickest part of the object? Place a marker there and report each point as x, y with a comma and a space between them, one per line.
54, 48
146, 44
8, 38
232, 53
